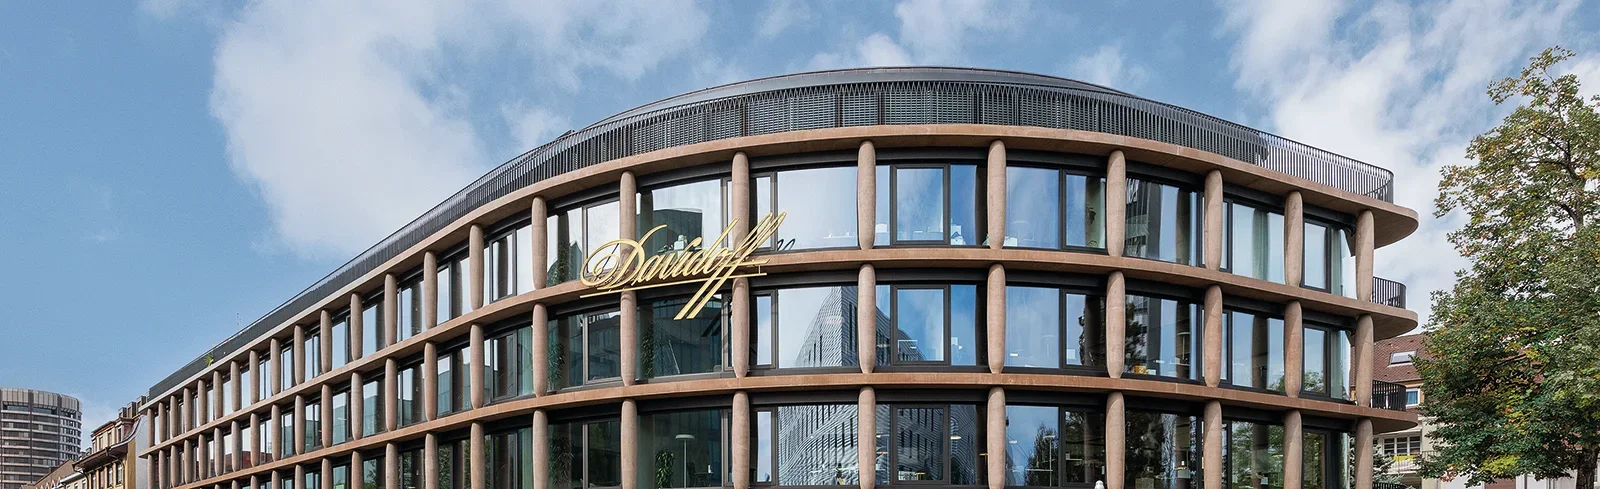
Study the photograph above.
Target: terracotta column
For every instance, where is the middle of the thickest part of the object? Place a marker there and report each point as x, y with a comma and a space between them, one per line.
357, 474
1364, 454
325, 340
739, 337
391, 393
217, 467
299, 438
357, 406
299, 349
475, 373
274, 480
275, 365
235, 387
1363, 360
1294, 349
254, 457
541, 349
541, 450
739, 197
276, 424
430, 460
1116, 210
1364, 246
255, 378
391, 466
629, 305
1116, 322
1294, 239
430, 289
430, 376
995, 195
867, 317
539, 232
1211, 460
479, 465
357, 327
995, 303
391, 312
1116, 438
995, 438
327, 474
867, 436
741, 439
299, 477
1213, 235
237, 459
1211, 350
1293, 444
630, 444
475, 268
327, 415
866, 194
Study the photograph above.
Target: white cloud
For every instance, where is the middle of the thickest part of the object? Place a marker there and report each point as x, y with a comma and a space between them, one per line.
781, 15
1108, 66
1395, 85
348, 121
931, 32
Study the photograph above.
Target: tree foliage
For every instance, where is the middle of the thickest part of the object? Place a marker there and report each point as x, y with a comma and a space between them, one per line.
1512, 370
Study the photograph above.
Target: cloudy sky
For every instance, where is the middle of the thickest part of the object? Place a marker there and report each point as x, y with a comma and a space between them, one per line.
171, 170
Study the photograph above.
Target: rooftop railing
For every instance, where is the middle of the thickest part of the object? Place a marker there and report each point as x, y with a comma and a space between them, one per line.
1388, 292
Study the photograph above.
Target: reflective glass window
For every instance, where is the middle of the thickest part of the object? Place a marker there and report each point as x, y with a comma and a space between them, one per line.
1255, 350
1255, 455
510, 459
341, 417
1163, 337
810, 327
585, 348
928, 203
1053, 447
453, 369
810, 445
372, 476
409, 408
339, 339
690, 345
1163, 451
1164, 222
410, 309
922, 324
821, 207
930, 443
1329, 264
684, 212
506, 268
1255, 242
372, 325
687, 448
411, 463
1050, 208
587, 454
444, 310
506, 372
312, 347
1051, 328
372, 421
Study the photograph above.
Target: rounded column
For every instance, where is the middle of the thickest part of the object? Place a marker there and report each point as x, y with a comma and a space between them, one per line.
1294, 349
867, 317
325, 340
739, 338
1116, 206
430, 460
539, 232
1211, 353
478, 464
1212, 237
1116, 439
391, 312
299, 354
541, 450
475, 374
1364, 454
995, 195
430, 378
867, 436
996, 438
1211, 461
541, 349
995, 303
630, 444
357, 326
1294, 234
1364, 247
391, 392
1363, 360
1293, 444
629, 337
741, 439
739, 195
475, 268
866, 194
1116, 323
430, 290
357, 407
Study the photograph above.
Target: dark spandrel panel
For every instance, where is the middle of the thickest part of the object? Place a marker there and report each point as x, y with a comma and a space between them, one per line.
835, 99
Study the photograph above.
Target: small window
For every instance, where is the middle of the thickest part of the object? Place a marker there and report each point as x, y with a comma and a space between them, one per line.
1401, 357
1413, 397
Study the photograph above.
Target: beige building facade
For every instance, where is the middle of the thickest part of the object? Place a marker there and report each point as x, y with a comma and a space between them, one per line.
980, 279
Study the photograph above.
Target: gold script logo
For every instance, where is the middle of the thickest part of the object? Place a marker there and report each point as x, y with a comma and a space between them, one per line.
620, 265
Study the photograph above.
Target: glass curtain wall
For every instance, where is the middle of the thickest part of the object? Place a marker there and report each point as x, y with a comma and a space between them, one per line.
339, 338
585, 348
928, 324
928, 203
586, 454
684, 449
691, 345
1054, 209
510, 459
453, 369
1047, 446
1052, 328
1164, 223
1255, 455
820, 202
938, 443
575, 233
341, 416
1163, 337
507, 263
410, 309
372, 406
687, 211
1163, 451
1327, 362
1330, 263
1254, 242
409, 409
506, 370
805, 327
1255, 350
811, 445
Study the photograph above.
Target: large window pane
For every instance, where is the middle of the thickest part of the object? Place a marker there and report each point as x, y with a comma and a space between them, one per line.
1085, 211
601, 225
1033, 215
919, 318
341, 417
603, 454
964, 347
821, 207
1163, 337
1314, 461
688, 211
1255, 455
313, 357
1315, 378
584, 348
371, 322
919, 442
1163, 223
1255, 344
372, 407
410, 391
965, 205
339, 340
815, 327
1316, 255
506, 369
690, 345
919, 202
816, 445
1255, 242
510, 460
682, 449
1033, 446
1339, 366
1048, 328
603, 345
443, 310
1163, 451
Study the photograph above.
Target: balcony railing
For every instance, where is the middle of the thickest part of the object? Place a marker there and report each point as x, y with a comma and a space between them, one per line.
1388, 395
1388, 292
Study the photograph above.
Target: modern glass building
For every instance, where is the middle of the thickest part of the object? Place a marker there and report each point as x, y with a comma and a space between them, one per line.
981, 279
38, 431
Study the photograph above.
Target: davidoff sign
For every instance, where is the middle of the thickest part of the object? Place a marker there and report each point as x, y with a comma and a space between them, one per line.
620, 265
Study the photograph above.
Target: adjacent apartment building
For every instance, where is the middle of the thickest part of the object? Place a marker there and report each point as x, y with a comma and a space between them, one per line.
39, 431
980, 279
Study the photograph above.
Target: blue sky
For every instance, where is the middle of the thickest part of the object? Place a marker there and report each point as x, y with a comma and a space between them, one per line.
170, 170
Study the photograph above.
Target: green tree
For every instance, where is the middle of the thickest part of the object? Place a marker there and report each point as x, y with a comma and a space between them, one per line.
1512, 371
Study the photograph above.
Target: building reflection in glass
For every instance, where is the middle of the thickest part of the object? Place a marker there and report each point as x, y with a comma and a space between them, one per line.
1163, 451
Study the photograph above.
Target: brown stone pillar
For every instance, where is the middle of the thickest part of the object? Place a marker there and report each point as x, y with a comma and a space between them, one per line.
1116, 322
479, 465
299, 477
1211, 461
236, 446
275, 365
325, 342
1294, 239
541, 450
391, 465
539, 232
430, 290
475, 373
358, 410
1363, 360
276, 424
866, 194
1211, 350
1294, 349
430, 460
995, 303
299, 349
327, 474
739, 195
357, 326
739, 337
275, 480
1293, 444
255, 378
1364, 247
1364, 454
1213, 238
235, 389
995, 195
253, 456
541, 349
995, 438
326, 407
629, 304
867, 436
475, 267
866, 317
391, 393
391, 313
741, 439
299, 438
430, 376
630, 444
357, 474
1116, 437
217, 467
1116, 211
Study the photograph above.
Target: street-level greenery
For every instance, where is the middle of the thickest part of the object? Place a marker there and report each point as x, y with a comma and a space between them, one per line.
1511, 369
